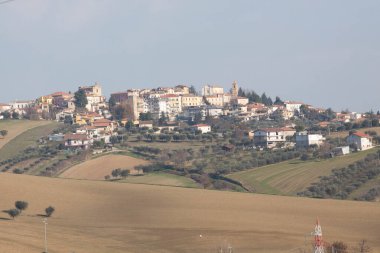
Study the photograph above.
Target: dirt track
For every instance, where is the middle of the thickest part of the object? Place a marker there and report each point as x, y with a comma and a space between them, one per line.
96, 216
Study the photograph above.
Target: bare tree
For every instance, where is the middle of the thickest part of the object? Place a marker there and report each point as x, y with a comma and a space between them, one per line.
362, 247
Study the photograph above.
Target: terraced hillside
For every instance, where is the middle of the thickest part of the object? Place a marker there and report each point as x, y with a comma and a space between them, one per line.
288, 178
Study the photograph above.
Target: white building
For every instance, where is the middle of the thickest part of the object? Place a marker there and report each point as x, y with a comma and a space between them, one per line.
304, 140
293, 106
360, 140
4, 107
204, 128
271, 137
210, 90
22, 104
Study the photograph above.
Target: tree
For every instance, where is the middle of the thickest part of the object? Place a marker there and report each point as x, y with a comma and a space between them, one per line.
145, 116
163, 119
68, 120
3, 132
6, 115
116, 173
13, 213
122, 111
111, 103
278, 101
339, 247
21, 205
49, 211
80, 99
15, 115
192, 90
198, 118
124, 173
362, 247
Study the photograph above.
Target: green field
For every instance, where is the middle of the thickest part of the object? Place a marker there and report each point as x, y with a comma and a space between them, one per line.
161, 178
26, 138
291, 177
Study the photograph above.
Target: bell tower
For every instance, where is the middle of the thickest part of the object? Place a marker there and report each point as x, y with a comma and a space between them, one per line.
235, 89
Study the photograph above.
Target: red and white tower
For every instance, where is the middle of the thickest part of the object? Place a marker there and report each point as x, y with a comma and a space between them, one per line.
318, 241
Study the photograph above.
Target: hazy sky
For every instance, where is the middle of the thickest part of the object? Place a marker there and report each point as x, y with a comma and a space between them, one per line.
324, 52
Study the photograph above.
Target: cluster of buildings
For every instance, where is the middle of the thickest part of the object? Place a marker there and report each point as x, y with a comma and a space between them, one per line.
175, 103
288, 137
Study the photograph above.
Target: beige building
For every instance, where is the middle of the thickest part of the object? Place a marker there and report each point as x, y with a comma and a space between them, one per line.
210, 90
235, 89
95, 100
191, 100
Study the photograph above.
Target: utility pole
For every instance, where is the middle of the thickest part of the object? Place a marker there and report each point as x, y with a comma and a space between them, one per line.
45, 225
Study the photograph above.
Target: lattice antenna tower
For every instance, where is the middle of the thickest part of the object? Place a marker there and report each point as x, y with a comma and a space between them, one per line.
318, 240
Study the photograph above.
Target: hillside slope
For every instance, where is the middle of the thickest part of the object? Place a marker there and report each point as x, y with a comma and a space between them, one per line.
98, 216
288, 178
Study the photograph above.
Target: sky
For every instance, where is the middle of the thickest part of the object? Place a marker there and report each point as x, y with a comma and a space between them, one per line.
325, 53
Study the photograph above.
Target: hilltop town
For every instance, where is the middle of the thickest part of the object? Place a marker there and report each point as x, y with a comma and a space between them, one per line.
169, 109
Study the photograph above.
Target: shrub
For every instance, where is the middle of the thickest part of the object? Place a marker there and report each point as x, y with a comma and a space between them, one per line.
21, 205
49, 211
13, 213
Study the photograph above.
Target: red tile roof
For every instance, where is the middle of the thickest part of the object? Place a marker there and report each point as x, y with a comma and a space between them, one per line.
81, 137
362, 135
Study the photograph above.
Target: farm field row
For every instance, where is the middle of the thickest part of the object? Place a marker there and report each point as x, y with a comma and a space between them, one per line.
291, 177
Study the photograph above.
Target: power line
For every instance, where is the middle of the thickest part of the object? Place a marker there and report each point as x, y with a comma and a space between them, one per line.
6, 1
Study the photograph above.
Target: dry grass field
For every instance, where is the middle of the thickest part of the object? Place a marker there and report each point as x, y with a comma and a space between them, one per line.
162, 178
98, 216
29, 132
344, 134
16, 127
97, 168
293, 176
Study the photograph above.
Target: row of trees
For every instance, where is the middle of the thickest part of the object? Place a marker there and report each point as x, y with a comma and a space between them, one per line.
21, 206
342, 182
256, 98
118, 173
8, 115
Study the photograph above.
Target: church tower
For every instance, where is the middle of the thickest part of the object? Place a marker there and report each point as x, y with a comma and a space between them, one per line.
235, 89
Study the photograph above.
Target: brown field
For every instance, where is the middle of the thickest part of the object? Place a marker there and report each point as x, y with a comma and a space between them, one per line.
16, 127
344, 134
98, 216
97, 168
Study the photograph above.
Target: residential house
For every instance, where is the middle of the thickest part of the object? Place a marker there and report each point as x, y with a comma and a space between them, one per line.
104, 126
240, 101
293, 106
360, 140
77, 141
56, 137
204, 128
272, 137
305, 140
146, 124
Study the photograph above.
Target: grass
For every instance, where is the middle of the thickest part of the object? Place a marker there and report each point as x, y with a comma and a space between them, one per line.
365, 188
27, 138
98, 216
16, 127
161, 178
288, 178
344, 134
